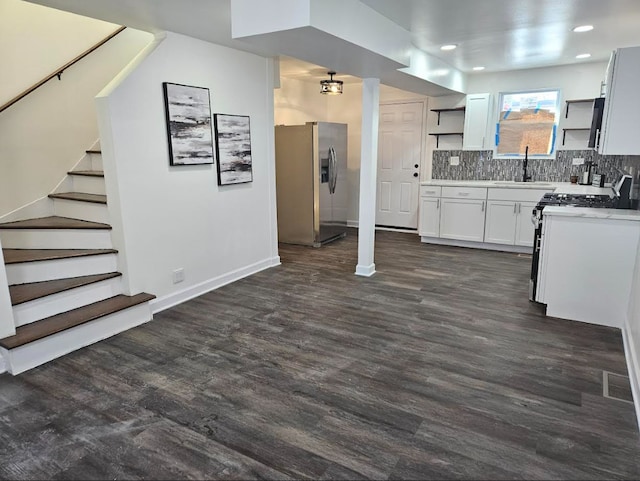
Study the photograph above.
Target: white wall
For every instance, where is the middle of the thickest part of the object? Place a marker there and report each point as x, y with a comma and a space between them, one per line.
45, 134
53, 37
178, 217
632, 337
297, 102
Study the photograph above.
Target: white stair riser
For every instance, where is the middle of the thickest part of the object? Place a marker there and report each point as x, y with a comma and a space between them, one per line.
88, 184
25, 272
65, 301
44, 350
96, 161
56, 239
81, 210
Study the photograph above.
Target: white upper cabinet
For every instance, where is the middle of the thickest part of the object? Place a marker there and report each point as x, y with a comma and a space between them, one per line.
620, 132
476, 122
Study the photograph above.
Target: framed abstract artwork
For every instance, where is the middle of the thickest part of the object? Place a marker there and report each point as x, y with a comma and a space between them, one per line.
188, 116
233, 148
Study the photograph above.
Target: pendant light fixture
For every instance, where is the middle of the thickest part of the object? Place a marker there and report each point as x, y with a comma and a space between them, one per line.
331, 86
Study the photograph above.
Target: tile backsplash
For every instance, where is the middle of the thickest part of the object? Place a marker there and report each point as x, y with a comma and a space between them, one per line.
480, 165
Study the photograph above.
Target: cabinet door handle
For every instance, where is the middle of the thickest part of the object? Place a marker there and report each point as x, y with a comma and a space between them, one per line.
438, 204
515, 208
464, 194
597, 138
482, 209
483, 141
519, 208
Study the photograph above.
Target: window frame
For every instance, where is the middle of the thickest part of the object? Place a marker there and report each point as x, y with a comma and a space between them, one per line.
556, 123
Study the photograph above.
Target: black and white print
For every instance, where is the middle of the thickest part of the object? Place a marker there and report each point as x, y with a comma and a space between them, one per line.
233, 148
188, 113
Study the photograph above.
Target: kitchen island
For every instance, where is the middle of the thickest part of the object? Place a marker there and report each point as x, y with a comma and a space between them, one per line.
587, 263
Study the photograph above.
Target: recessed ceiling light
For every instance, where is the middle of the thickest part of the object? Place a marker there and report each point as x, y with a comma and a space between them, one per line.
478, 68
448, 47
583, 55
583, 28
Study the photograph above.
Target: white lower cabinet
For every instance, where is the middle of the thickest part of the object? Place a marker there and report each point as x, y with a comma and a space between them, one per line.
429, 224
524, 225
500, 226
509, 223
509, 216
462, 219
486, 216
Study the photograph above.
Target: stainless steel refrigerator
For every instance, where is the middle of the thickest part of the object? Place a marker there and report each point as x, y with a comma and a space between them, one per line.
311, 182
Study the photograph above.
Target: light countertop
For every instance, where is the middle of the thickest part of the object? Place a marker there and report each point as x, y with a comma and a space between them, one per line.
593, 213
560, 187
491, 183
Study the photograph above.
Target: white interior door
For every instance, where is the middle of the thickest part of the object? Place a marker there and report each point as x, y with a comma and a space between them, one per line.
399, 159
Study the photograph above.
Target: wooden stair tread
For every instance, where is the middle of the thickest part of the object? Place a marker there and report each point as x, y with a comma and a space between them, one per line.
80, 196
17, 256
54, 222
76, 317
87, 173
21, 293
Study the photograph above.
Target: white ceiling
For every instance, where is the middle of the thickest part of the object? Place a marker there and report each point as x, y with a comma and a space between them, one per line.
497, 34
515, 34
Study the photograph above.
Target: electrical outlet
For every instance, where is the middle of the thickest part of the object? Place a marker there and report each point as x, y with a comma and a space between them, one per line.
454, 160
178, 275
578, 161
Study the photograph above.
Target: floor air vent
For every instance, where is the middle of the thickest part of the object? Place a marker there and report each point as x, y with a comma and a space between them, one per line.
616, 386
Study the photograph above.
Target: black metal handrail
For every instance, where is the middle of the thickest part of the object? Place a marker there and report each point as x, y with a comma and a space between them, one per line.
58, 72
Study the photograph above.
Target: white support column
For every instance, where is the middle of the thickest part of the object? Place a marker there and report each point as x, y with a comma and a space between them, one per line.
368, 172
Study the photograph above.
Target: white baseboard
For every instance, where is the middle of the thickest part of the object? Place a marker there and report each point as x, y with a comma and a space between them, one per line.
632, 355
365, 271
352, 223
166, 302
3, 366
477, 245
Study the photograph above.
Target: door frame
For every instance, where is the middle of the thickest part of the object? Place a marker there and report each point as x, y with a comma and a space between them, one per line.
423, 143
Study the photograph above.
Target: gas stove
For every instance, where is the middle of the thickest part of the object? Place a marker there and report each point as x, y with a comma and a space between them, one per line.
579, 200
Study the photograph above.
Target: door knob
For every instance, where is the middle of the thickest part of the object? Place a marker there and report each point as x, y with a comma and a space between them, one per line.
415, 174
416, 166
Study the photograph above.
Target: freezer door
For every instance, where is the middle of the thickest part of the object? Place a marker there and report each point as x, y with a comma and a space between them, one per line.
332, 186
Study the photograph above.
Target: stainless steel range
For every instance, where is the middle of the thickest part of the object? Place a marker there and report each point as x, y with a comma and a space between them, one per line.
617, 198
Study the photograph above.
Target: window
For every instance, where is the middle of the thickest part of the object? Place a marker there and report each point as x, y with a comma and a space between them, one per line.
527, 119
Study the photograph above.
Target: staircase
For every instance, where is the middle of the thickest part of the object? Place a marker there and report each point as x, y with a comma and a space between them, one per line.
65, 290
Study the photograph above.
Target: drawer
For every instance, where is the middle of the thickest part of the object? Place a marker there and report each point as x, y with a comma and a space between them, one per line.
479, 193
430, 191
516, 195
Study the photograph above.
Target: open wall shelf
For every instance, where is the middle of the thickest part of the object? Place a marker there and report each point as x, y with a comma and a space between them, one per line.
454, 109
576, 101
437, 135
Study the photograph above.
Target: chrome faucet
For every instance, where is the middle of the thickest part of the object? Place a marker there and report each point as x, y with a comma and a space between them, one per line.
525, 176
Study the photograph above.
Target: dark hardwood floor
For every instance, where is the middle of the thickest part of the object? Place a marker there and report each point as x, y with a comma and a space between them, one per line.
437, 367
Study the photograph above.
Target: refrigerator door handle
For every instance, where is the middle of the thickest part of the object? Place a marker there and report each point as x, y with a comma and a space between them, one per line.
333, 170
